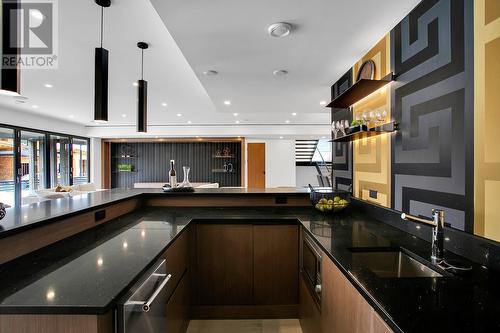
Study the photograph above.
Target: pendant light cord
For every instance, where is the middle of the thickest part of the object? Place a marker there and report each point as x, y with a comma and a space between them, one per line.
102, 23
142, 64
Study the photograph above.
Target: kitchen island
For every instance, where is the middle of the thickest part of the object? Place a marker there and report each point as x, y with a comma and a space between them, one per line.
87, 274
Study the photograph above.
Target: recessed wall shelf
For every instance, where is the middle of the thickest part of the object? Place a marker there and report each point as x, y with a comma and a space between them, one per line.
222, 171
359, 90
361, 132
224, 156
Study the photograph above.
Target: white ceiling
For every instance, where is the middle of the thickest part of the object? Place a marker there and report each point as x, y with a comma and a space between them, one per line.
224, 35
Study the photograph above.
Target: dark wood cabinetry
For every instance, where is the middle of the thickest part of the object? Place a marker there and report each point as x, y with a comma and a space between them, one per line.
178, 288
343, 309
246, 270
276, 264
224, 272
309, 312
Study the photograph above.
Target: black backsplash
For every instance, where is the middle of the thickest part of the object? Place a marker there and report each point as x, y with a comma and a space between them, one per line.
150, 162
478, 249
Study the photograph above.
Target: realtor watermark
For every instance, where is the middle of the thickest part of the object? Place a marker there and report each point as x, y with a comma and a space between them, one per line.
30, 34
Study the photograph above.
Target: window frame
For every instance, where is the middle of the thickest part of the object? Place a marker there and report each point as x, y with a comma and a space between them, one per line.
17, 156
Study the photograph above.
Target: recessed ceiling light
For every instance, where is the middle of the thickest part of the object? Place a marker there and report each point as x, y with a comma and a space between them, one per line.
322, 103
287, 121
124, 115
34, 106
164, 104
237, 121
189, 121
179, 115
294, 114
48, 85
135, 84
71, 116
280, 29
280, 72
210, 72
235, 114
228, 102
281, 137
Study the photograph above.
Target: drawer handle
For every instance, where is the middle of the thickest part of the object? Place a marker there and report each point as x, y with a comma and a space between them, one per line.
147, 305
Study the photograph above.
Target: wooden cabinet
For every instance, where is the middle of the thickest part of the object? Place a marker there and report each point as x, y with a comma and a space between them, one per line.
224, 264
178, 287
343, 309
309, 312
276, 264
177, 310
246, 270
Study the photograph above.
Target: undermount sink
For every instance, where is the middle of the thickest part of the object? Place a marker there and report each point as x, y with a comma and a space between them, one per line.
391, 263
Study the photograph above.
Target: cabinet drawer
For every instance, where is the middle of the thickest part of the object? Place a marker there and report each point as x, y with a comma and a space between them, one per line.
176, 257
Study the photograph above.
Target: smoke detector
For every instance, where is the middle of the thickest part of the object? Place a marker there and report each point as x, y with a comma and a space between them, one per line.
210, 72
280, 72
280, 29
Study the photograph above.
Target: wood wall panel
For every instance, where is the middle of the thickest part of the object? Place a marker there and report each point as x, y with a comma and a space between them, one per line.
56, 323
34, 239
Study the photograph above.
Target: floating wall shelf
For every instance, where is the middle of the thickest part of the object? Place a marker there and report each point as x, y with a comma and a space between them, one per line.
362, 132
358, 91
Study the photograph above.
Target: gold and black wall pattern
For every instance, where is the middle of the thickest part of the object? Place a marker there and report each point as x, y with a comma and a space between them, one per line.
372, 156
342, 151
432, 100
487, 118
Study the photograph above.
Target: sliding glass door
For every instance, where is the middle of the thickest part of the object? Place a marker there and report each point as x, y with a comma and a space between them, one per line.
32, 160
60, 168
33, 175
7, 167
80, 161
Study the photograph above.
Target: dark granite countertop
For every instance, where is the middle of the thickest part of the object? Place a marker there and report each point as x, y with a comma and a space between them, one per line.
467, 303
19, 219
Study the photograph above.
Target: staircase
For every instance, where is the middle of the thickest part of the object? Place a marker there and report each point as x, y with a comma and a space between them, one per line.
304, 150
304, 153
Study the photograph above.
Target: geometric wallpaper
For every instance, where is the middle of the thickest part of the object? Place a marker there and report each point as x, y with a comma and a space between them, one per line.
429, 162
372, 156
432, 153
342, 151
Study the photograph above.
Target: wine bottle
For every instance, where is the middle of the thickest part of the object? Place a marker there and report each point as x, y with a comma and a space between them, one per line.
172, 174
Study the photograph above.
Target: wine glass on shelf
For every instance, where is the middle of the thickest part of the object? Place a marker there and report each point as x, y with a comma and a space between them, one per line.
342, 129
378, 116
384, 116
334, 129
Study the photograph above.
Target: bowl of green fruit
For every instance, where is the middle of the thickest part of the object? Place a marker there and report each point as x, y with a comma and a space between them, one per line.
328, 200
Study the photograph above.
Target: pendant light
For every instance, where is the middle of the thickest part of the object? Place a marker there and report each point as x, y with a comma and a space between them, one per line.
10, 77
142, 95
101, 74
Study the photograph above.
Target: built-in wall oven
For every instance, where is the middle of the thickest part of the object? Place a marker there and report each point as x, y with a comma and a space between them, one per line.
310, 265
142, 310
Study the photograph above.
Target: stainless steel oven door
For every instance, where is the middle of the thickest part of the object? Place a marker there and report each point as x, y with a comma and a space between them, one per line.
144, 310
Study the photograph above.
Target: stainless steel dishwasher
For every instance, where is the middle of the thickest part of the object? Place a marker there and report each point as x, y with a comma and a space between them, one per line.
143, 308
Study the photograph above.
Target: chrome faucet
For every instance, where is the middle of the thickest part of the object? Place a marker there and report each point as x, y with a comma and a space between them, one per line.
437, 232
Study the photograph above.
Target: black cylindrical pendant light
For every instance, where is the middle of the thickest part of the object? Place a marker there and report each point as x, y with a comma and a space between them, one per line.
10, 75
142, 95
101, 74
